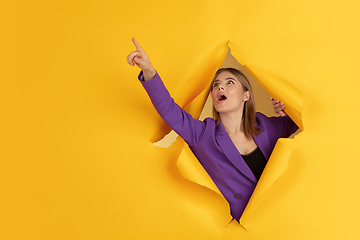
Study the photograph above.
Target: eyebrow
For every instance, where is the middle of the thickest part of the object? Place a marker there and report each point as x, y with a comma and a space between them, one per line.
229, 78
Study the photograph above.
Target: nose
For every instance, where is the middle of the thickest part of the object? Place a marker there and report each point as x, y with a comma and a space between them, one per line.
221, 87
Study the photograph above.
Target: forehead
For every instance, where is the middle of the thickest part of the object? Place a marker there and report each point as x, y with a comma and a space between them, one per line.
225, 75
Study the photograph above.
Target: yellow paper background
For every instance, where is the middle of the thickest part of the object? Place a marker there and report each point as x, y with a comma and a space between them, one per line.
77, 159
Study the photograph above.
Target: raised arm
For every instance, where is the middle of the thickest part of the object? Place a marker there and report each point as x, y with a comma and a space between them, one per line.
140, 59
190, 129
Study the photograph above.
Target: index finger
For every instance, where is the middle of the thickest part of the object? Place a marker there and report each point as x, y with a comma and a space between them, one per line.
138, 47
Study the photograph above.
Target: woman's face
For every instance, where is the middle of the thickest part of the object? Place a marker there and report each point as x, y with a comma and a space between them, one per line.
228, 94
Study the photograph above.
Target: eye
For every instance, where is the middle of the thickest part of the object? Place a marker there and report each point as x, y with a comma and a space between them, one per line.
215, 84
231, 82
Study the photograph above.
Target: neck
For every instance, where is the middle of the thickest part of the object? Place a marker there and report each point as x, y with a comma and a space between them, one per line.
232, 122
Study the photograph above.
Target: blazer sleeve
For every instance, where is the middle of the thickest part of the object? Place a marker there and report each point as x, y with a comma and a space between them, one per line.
190, 129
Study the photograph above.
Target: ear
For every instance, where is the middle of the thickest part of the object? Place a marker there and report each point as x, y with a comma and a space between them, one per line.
247, 96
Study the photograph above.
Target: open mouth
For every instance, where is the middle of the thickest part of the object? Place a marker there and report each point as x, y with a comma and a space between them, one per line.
222, 97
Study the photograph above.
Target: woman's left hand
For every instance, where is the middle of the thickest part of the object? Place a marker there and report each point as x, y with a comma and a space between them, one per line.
278, 107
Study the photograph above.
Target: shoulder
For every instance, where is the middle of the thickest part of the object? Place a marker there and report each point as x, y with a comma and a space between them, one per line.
210, 125
264, 121
209, 122
260, 115
203, 131
282, 125
261, 118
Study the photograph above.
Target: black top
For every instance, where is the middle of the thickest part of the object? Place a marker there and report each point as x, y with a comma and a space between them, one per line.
256, 162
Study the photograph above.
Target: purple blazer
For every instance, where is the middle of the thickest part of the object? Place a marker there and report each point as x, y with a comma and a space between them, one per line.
213, 147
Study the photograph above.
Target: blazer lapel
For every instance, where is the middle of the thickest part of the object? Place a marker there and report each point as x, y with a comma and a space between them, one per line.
231, 152
262, 141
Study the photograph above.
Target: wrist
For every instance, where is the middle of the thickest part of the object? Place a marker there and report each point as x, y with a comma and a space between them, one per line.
149, 74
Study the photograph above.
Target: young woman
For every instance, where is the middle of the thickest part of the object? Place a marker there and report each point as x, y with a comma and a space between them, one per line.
235, 146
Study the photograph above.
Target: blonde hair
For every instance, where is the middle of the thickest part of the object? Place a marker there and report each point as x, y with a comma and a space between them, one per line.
248, 120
